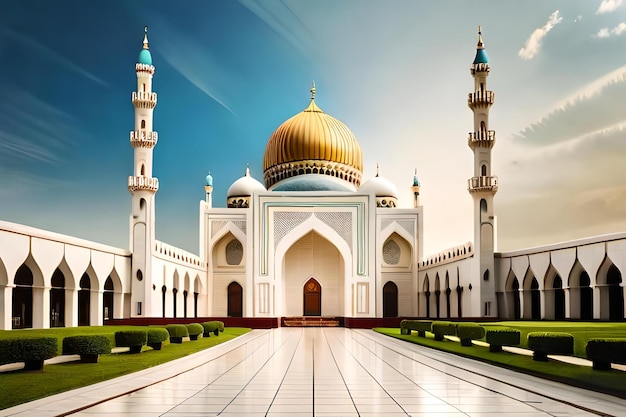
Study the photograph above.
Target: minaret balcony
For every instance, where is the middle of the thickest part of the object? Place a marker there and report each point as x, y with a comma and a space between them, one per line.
143, 139
480, 98
482, 139
144, 99
477, 184
480, 67
144, 68
143, 184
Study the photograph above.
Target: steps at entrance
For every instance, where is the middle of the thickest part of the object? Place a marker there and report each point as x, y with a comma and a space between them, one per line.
311, 321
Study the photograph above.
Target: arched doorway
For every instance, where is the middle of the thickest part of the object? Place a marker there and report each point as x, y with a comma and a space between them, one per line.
390, 299
84, 300
616, 294
23, 298
312, 301
535, 297
107, 299
57, 299
586, 297
235, 300
517, 310
559, 298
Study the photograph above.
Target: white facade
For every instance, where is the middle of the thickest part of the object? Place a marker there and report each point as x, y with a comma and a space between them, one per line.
311, 241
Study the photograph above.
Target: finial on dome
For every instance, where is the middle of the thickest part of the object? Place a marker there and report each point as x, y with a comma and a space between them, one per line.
145, 37
377, 168
247, 169
416, 181
480, 39
312, 90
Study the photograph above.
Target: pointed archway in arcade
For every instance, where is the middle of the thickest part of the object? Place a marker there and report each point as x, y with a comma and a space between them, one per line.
586, 296
57, 299
559, 298
23, 298
535, 296
108, 299
616, 294
312, 298
390, 299
235, 300
84, 300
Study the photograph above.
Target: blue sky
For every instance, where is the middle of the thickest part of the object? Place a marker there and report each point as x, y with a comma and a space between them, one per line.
396, 72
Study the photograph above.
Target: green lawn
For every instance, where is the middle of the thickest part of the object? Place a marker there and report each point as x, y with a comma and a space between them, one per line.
611, 382
18, 387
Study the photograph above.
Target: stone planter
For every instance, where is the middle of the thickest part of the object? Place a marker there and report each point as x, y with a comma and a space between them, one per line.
33, 365
176, 339
90, 358
156, 346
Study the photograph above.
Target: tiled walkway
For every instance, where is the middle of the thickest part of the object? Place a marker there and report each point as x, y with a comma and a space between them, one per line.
326, 372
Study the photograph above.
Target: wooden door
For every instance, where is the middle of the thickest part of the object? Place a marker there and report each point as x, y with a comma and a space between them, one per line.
235, 300
312, 298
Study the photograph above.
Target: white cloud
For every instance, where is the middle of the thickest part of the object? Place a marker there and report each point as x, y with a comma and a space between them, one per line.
606, 32
608, 6
533, 43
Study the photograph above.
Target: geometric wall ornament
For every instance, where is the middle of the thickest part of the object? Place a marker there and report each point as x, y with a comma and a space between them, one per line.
216, 225
286, 221
391, 253
340, 222
407, 225
234, 252
241, 224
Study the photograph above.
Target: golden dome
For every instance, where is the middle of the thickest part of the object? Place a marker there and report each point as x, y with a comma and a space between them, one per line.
312, 142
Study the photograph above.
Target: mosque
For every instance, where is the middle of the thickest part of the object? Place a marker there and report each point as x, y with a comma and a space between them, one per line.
312, 239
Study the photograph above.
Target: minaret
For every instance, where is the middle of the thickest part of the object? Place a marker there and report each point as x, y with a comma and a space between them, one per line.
416, 190
483, 186
142, 185
208, 189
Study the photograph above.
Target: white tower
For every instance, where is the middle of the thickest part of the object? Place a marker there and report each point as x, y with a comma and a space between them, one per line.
482, 186
142, 185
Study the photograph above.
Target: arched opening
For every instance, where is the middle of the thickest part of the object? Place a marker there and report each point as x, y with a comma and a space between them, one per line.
143, 124
390, 299
84, 300
437, 297
235, 300
163, 293
143, 170
312, 301
483, 170
586, 297
107, 299
517, 310
535, 297
559, 298
616, 294
23, 299
57, 299
174, 298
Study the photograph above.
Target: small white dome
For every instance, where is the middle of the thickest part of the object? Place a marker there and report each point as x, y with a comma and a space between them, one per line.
245, 186
380, 187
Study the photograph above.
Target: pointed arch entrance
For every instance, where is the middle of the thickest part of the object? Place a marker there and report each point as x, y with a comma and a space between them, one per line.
84, 300
57, 299
312, 301
586, 296
390, 299
235, 300
108, 299
616, 294
23, 298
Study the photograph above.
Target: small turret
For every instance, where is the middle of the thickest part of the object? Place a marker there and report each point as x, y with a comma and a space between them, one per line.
208, 189
416, 190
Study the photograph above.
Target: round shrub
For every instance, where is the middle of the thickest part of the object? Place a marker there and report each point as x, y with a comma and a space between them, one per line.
211, 327
550, 343
134, 339
177, 332
502, 337
156, 337
468, 332
93, 344
194, 330
32, 351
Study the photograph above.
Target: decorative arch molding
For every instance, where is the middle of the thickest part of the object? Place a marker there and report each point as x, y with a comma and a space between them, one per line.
399, 230
38, 278
186, 281
14, 249
70, 280
4, 278
528, 278
77, 259
563, 260
573, 279
591, 257
313, 224
48, 255
601, 276
539, 263
510, 278
520, 265
231, 228
102, 264
548, 279
197, 285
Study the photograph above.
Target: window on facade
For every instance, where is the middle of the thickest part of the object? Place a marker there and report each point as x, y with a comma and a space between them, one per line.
143, 124
391, 252
234, 252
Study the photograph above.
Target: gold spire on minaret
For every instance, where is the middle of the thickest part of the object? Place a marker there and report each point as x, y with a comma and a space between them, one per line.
145, 37
480, 39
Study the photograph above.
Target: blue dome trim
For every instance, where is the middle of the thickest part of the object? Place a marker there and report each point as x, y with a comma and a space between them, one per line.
481, 57
312, 182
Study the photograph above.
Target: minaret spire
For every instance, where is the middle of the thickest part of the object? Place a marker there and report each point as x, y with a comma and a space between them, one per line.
145, 37
312, 90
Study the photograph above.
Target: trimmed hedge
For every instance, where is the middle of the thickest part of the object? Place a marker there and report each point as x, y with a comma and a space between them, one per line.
156, 337
194, 330
443, 328
421, 326
32, 351
212, 327
89, 347
603, 352
502, 337
134, 339
468, 332
550, 343
177, 332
